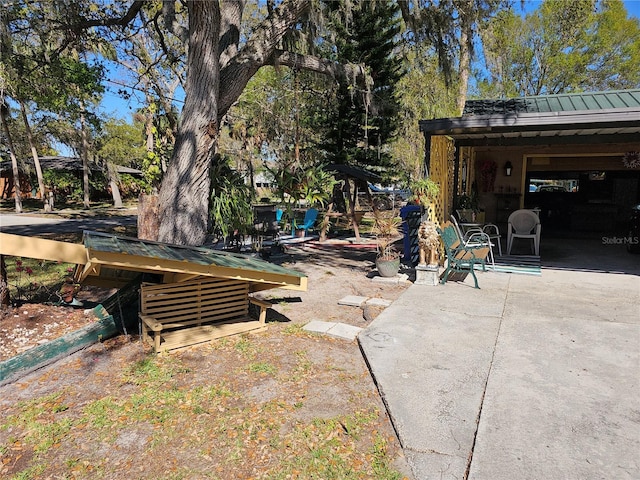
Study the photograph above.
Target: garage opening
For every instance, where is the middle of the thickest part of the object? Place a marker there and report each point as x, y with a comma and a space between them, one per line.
597, 197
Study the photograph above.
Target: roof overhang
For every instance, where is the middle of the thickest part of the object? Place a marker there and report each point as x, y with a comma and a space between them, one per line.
619, 125
113, 261
108, 256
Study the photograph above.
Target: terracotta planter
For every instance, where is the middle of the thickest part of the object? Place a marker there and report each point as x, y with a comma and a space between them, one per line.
388, 267
300, 233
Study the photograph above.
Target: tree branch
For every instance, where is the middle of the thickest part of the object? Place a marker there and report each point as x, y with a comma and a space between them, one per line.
350, 73
231, 18
123, 21
239, 69
170, 23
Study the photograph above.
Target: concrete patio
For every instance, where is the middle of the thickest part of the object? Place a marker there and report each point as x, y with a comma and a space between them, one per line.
530, 377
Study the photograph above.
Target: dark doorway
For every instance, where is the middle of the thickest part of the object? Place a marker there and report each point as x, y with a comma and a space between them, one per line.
583, 202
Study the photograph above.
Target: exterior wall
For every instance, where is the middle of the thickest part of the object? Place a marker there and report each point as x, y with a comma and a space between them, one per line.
7, 187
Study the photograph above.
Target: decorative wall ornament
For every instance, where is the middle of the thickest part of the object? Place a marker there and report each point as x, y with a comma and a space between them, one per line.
631, 159
487, 169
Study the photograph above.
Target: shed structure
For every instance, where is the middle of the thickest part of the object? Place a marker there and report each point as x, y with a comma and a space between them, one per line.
188, 295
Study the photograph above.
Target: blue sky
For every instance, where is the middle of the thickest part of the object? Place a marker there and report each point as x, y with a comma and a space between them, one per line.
116, 106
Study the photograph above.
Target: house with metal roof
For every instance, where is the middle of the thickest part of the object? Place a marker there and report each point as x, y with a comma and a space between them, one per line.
47, 162
573, 157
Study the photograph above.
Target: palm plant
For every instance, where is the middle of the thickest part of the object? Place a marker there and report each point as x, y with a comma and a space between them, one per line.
386, 229
231, 200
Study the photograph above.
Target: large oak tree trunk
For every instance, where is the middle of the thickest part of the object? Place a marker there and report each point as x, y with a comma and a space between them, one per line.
216, 75
148, 217
186, 186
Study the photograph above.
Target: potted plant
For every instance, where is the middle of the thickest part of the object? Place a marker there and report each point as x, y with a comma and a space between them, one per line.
424, 192
468, 207
387, 230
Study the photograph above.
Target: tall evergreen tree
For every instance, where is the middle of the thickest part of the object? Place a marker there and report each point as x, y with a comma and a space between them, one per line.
365, 119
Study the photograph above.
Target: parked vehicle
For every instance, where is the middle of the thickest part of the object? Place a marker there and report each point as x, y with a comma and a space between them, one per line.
551, 188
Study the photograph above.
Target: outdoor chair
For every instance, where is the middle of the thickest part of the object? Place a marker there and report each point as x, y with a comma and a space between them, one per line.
460, 257
477, 237
524, 224
493, 232
310, 217
490, 229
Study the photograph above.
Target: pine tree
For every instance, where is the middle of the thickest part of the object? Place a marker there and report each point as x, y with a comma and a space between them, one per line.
363, 121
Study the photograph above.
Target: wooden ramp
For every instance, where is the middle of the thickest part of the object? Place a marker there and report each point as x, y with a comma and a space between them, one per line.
42, 355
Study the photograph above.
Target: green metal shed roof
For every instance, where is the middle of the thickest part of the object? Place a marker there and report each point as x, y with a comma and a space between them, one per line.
126, 253
569, 102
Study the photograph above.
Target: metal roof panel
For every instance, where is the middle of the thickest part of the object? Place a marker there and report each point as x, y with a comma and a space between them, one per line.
565, 102
114, 249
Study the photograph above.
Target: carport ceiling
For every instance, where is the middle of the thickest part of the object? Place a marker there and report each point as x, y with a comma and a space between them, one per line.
603, 117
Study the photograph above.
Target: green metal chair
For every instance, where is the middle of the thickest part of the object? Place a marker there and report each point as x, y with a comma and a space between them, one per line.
461, 257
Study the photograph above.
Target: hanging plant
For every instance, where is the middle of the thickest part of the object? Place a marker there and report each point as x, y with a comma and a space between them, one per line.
424, 191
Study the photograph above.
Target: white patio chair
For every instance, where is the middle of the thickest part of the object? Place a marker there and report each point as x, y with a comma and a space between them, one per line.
524, 224
493, 232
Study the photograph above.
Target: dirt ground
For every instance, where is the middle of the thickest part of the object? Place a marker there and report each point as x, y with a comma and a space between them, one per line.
279, 404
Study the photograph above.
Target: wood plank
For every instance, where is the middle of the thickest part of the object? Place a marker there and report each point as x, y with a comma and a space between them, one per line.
195, 281
205, 293
160, 301
197, 316
40, 248
178, 289
162, 308
196, 335
236, 316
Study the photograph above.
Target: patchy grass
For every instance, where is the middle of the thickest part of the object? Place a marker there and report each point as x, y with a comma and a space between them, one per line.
36, 280
280, 404
192, 423
263, 367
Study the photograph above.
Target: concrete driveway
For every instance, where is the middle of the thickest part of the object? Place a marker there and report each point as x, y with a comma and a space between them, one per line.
528, 378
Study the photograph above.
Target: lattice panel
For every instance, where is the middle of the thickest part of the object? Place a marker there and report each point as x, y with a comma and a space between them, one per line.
442, 172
